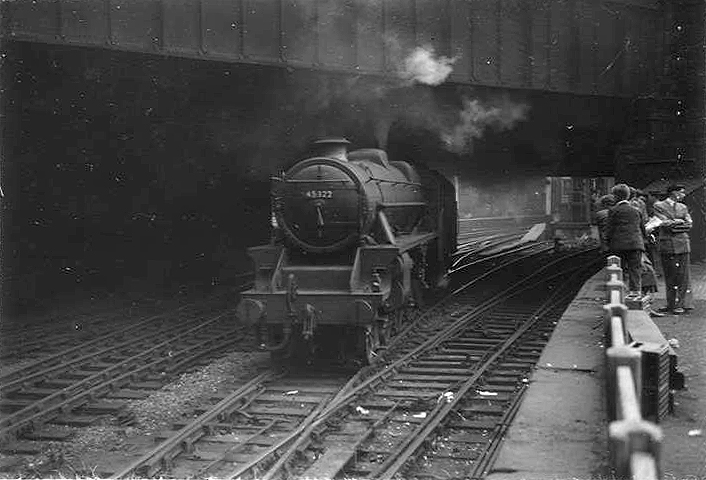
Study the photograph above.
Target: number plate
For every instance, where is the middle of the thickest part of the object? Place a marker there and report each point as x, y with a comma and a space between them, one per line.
319, 194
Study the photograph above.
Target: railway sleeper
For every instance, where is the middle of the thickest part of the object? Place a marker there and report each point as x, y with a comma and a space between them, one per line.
443, 355
48, 433
452, 468
337, 455
406, 418
103, 407
128, 394
481, 425
8, 405
9, 464
74, 420
411, 393
439, 373
510, 373
480, 409
30, 392
228, 433
96, 366
146, 385
22, 447
416, 377
490, 395
531, 359
422, 385
308, 389
375, 403
295, 397
498, 387
361, 469
497, 380
520, 366
472, 341
475, 356
483, 437
75, 375
279, 410
502, 326
204, 454
455, 451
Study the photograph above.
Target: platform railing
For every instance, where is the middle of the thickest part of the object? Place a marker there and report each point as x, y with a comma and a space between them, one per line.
634, 443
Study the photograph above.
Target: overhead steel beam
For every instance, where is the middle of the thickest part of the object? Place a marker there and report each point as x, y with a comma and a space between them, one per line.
575, 46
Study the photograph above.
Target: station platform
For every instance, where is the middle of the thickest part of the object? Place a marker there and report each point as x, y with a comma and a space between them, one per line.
560, 431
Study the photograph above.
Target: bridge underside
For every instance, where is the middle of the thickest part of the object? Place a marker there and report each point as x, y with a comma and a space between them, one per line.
592, 47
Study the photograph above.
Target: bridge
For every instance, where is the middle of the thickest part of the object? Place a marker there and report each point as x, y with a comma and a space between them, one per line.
588, 47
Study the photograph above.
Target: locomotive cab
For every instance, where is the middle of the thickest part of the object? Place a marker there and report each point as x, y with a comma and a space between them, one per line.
362, 238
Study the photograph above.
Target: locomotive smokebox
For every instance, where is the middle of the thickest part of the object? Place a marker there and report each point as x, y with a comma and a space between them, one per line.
334, 147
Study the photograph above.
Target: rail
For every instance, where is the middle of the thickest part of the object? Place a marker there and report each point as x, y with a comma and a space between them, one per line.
634, 443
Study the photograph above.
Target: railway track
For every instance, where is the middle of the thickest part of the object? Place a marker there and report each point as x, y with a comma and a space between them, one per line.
58, 333
78, 385
449, 383
21, 343
237, 432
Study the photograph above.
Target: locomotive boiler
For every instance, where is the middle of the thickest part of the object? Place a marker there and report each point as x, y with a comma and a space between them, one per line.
357, 242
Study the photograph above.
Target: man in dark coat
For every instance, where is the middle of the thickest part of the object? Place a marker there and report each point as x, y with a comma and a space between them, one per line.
605, 203
674, 247
625, 235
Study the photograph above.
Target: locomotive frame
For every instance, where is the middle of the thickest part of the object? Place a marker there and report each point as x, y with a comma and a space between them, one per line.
328, 279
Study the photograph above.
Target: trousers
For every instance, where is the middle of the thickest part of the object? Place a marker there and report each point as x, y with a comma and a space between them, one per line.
631, 261
676, 278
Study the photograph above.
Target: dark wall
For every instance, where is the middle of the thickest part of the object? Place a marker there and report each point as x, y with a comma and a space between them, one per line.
111, 172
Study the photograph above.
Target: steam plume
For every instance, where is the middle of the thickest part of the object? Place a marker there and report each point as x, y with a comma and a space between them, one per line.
475, 118
421, 66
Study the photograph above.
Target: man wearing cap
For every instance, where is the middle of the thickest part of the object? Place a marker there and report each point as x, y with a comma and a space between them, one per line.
674, 247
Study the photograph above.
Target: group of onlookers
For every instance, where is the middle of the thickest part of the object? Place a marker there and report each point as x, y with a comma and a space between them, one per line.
643, 232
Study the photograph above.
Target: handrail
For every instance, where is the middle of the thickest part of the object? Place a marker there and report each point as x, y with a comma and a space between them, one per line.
634, 443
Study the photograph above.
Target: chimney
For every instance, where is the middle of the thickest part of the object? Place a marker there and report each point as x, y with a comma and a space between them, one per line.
332, 147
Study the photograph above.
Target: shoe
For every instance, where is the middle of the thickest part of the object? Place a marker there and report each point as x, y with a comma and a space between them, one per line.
652, 313
679, 311
664, 310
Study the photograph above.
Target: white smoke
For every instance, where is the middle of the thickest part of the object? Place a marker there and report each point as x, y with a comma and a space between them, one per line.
476, 118
422, 66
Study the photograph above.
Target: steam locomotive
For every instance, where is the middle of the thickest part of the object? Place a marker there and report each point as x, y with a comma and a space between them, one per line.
358, 242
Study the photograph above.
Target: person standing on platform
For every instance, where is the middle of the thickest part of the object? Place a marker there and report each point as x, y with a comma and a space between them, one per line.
637, 201
652, 245
605, 203
675, 248
625, 235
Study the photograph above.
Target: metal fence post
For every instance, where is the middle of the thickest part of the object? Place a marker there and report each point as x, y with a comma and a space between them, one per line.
615, 290
617, 357
610, 269
614, 310
613, 260
628, 437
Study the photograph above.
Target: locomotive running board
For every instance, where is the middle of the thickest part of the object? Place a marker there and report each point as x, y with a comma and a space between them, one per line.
408, 242
378, 257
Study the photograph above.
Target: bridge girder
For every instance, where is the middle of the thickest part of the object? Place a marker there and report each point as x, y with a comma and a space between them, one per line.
589, 47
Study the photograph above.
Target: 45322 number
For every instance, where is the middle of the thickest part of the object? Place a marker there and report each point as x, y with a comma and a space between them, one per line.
319, 194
